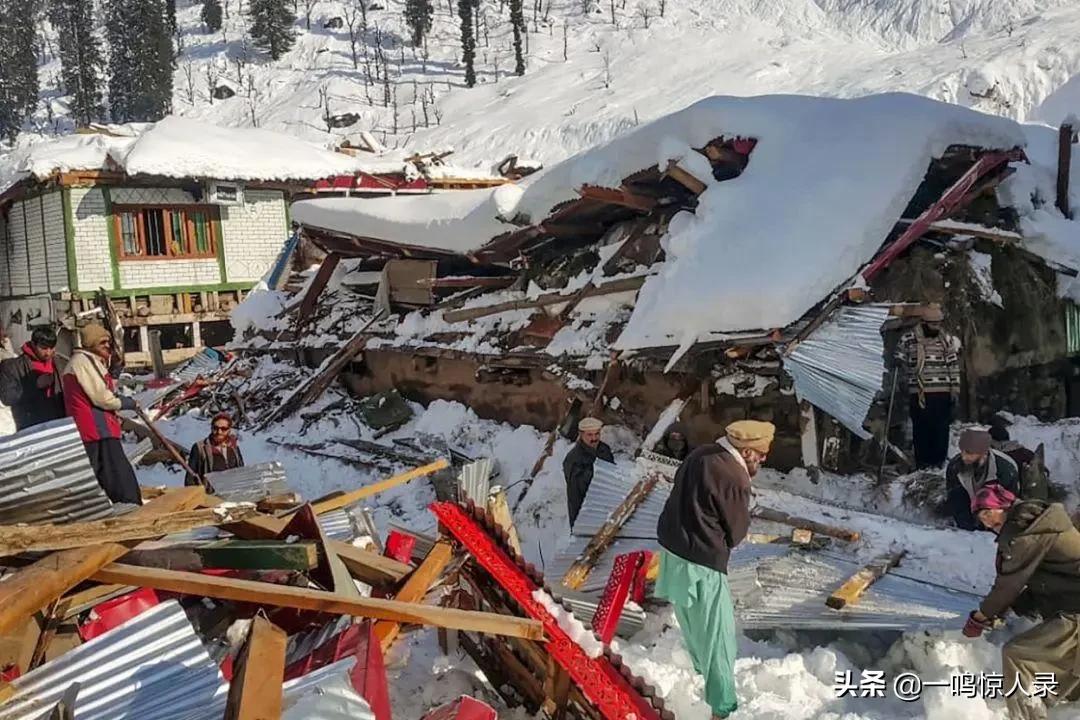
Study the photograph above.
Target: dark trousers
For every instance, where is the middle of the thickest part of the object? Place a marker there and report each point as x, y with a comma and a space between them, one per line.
113, 471
930, 428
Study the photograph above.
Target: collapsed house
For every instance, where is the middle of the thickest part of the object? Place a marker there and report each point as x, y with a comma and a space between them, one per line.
740, 258
172, 223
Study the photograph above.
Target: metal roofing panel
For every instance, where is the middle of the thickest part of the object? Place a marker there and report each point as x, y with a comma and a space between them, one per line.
45, 477
474, 481
137, 452
250, 483
840, 366
205, 363
152, 667
611, 484
556, 568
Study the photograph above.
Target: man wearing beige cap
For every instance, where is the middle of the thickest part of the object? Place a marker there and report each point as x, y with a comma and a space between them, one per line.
706, 516
976, 466
578, 464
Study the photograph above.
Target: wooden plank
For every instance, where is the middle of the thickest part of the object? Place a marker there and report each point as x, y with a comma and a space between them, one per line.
315, 289
820, 528
1005, 237
16, 539
346, 499
255, 691
684, 178
855, 586
306, 599
229, 554
600, 542
556, 690
499, 508
609, 288
617, 196
468, 282
85, 599
32, 588
415, 588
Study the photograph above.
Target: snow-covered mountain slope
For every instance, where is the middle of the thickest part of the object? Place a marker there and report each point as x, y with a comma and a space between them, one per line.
1010, 57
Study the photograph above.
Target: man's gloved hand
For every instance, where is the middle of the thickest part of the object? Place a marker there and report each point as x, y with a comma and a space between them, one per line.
44, 382
975, 627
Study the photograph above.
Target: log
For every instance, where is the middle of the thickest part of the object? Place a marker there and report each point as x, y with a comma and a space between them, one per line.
15, 539
854, 587
32, 588
415, 588
684, 178
255, 690
306, 599
798, 522
346, 499
588, 558
609, 288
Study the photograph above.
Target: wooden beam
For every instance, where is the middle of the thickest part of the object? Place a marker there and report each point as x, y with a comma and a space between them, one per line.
315, 289
468, 282
947, 227
346, 499
820, 528
85, 599
229, 554
608, 288
499, 508
1066, 136
305, 599
617, 196
684, 178
32, 588
854, 587
255, 690
415, 588
368, 567
15, 539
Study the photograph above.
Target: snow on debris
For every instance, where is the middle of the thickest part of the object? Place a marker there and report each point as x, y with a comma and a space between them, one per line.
179, 147
581, 635
454, 221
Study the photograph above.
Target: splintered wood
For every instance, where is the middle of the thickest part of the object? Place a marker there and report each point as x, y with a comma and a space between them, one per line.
255, 692
600, 542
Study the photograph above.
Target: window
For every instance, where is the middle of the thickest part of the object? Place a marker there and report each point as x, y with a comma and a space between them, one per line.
166, 233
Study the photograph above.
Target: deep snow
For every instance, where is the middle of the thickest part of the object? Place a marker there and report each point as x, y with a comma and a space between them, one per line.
781, 676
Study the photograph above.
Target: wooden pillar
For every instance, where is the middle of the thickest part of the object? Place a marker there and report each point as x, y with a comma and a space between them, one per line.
1066, 134
144, 339
196, 335
255, 691
157, 358
809, 436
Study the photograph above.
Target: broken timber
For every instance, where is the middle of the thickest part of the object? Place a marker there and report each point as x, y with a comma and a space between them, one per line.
839, 533
33, 587
854, 587
255, 690
500, 513
684, 178
415, 588
617, 196
305, 599
15, 539
229, 554
555, 298
339, 501
600, 542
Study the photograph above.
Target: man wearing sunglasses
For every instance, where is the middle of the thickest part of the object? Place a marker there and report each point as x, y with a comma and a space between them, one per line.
90, 398
215, 453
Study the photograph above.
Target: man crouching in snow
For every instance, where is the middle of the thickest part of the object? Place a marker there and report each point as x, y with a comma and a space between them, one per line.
1038, 572
706, 515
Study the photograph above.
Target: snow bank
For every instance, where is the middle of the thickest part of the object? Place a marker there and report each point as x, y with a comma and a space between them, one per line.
179, 147
258, 310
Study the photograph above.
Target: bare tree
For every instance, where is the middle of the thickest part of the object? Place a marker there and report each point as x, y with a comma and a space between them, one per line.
643, 13
435, 107
565, 29
607, 68
395, 109
211, 80
324, 103
242, 59
254, 96
308, 5
663, 6
485, 23
613, 12
354, 13
189, 81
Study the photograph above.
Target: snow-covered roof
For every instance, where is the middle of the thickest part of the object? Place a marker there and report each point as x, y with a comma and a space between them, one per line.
826, 183
179, 147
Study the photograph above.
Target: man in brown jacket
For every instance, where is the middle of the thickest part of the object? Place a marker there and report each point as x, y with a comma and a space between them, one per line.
1038, 573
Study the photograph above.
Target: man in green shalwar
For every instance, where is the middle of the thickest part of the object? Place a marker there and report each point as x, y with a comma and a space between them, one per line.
706, 515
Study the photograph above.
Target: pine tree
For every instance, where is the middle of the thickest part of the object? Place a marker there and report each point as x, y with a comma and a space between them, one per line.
517, 20
81, 59
170, 14
211, 15
140, 60
272, 26
468, 42
418, 15
18, 64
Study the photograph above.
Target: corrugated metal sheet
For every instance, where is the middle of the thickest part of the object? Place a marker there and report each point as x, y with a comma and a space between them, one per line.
1072, 328
349, 523
777, 586
840, 366
423, 545
474, 481
152, 667
555, 568
45, 477
205, 363
583, 606
610, 485
137, 452
251, 483
302, 644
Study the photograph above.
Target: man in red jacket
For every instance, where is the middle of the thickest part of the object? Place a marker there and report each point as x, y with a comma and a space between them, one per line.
90, 398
